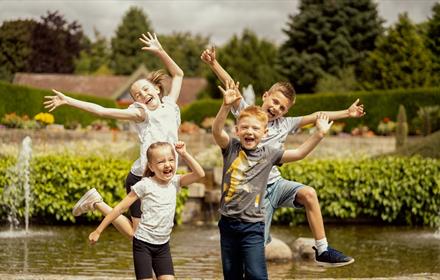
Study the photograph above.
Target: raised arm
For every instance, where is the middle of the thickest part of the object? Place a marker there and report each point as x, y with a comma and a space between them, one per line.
230, 95
323, 126
356, 110
197, 171
152, 44
54, 101
119, 209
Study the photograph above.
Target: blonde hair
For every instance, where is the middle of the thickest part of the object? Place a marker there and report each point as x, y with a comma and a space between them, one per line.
285, 88
148, 172
157, 78
256, 112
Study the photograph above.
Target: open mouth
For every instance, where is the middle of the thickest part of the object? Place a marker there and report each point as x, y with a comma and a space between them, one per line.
249, 140
271, 113
149, 100
168, 172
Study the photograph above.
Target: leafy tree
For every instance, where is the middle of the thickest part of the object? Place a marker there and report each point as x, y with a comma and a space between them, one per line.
126, 48
15, 49
433, 41
326, 37
343, 82
400, 60
249, 60
95, 56
55, 44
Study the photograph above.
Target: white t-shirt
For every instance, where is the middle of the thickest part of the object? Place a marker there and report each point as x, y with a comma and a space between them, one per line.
158, 205
278, 130
161, 125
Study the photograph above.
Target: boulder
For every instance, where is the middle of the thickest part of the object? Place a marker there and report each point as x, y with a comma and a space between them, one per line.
302, 249
277, 250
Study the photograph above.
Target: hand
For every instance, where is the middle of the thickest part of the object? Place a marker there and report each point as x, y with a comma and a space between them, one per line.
93, 237
231, 93
355, 110
54, 101
208, 55
322, 123
151, 42
180, 147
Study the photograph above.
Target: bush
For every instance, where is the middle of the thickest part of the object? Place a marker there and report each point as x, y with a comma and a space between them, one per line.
58, 181
402, 190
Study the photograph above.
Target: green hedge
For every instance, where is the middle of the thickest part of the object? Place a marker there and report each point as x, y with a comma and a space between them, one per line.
58, 181
401, 190
29, 101
378, 104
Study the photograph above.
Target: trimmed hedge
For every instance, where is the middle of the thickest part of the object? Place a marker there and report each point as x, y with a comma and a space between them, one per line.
401, 190
58, 181
378, 105
29, 101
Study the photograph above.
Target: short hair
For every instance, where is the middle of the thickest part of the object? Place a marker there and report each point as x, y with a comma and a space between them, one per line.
157, 78
285, 88
256, 112
148, 172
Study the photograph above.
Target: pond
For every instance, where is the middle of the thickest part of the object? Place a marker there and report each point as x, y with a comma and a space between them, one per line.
380, 251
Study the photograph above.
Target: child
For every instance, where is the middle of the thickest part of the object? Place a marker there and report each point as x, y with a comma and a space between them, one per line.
246, 168
156, 116
157, 191
281, 192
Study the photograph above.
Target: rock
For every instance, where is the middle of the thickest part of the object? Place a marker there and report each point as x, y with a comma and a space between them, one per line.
302, 249
277, 250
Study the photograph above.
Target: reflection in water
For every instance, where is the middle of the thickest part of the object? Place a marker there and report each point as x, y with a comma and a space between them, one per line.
379, 252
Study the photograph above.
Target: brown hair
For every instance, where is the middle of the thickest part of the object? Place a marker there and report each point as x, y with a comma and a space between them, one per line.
256, 112
285, 88
157, 78
148, 172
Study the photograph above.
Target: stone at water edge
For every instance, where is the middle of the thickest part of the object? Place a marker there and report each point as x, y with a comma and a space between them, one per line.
302, 249
277, 250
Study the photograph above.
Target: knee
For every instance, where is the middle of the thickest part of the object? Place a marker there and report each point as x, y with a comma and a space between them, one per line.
308, 196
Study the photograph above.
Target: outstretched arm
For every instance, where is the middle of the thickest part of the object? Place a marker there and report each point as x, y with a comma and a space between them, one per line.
116, 212
197, 171
230, 95
152, 44
323, 125
356, 110
54, 101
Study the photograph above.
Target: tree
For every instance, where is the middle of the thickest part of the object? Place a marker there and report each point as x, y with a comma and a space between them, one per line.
400, 60
126, 48
249, 60
327, 37
433, 41
95, 56
15, 49
55, 44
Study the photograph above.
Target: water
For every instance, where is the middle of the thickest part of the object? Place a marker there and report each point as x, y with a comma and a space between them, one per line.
380, 251
18, 192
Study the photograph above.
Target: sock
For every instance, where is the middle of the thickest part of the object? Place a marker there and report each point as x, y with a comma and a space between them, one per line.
321, 245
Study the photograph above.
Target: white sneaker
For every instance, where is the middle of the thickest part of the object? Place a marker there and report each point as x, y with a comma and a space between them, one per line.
86, 202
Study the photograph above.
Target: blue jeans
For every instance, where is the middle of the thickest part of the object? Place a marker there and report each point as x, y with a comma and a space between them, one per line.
282, 193
242, 249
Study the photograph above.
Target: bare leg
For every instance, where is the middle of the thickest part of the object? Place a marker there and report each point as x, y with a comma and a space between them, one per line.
122, 223
308, 198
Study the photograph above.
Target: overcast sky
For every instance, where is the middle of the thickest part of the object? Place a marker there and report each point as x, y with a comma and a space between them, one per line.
219, 19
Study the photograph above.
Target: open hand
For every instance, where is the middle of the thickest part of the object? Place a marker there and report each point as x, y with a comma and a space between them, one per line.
151, 42
208, 55
231, 93
54, 101
180, 147
322, 123
93, 237
355, 110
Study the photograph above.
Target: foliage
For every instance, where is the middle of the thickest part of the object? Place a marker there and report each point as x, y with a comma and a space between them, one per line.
390, 189
249, 60
433, 41
126, 53
401, 128
426, 146
326, 37
24, 100
427, 119
343, 82
386, 126
58, 181
95, 57
400, 60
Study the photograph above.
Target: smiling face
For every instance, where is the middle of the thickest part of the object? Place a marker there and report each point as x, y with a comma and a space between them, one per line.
250, 130
145, 92
275, 104
162, 162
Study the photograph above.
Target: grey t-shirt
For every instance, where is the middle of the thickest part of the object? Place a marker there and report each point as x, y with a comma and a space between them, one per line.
245, 174
278, 130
